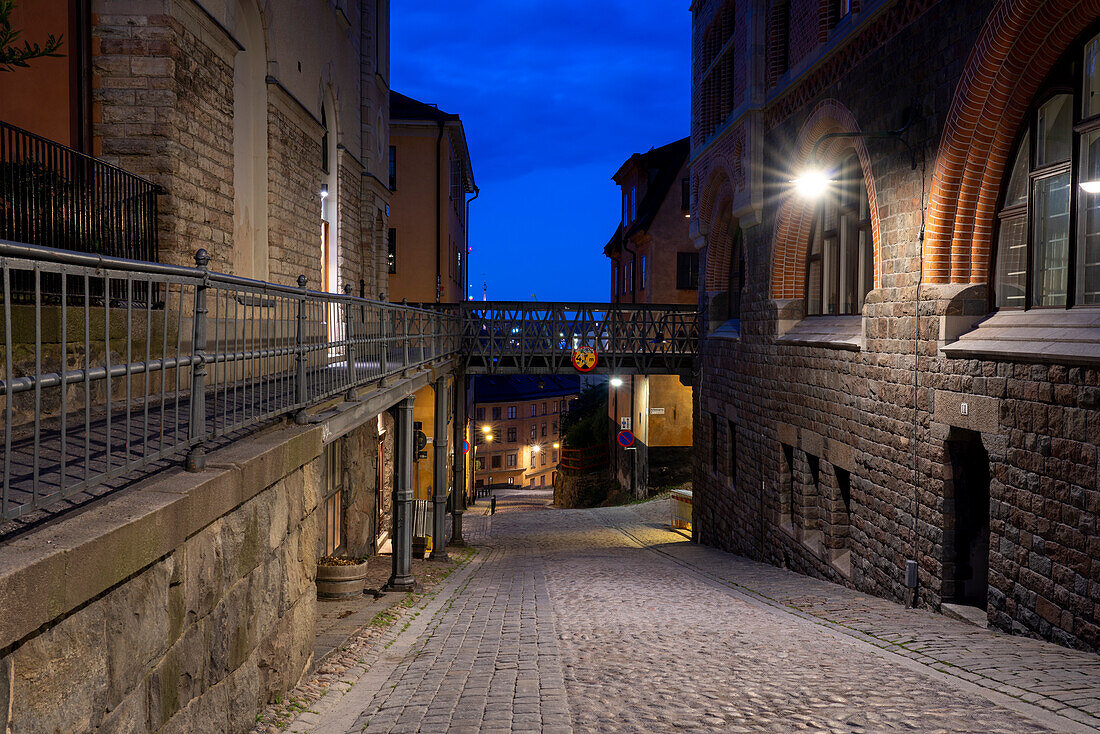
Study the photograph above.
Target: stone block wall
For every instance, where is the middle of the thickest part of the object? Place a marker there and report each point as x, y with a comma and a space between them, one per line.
843, 466
180, 605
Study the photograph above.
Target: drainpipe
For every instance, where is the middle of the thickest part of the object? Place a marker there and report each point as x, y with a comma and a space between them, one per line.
438, 210
634, 301
466, 255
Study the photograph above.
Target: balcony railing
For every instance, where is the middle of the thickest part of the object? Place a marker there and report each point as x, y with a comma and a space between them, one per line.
54, 196
93, 390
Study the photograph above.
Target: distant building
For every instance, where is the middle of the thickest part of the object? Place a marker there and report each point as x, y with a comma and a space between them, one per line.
653, 261
517, 428
430, 176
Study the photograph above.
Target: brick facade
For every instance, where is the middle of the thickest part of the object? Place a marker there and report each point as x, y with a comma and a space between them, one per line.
853, 454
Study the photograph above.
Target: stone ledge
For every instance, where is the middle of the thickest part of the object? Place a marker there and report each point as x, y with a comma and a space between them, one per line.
829, 332
1041, 335
51, 571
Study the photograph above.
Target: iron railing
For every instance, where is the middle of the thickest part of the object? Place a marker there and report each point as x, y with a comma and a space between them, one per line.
581, 460
92, 390
501, 337
54, 196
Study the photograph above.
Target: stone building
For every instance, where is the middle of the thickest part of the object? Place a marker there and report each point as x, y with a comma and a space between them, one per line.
904, 371
653, 261
517, 428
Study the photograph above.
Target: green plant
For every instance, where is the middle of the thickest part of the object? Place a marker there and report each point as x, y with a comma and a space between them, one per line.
11, 55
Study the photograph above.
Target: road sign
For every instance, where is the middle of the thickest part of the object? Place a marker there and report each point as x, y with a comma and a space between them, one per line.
585, 359
421, 440
465, 447
626, 439
624, 423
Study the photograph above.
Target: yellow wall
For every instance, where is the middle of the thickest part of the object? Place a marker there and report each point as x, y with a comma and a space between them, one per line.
672, 428
424, 469
413, 215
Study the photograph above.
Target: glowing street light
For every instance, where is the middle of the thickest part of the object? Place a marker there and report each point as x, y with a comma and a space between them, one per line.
812, 183
557, 445
616, 382
536, 448
485, 428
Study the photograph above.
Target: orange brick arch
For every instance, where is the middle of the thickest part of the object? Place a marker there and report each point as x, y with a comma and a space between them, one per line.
1020, 43
714, 207
793, 224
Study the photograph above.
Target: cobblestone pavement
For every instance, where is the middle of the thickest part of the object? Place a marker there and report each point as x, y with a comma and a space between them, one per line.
604, 621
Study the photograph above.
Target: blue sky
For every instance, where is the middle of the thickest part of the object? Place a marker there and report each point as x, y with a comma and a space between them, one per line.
554, 95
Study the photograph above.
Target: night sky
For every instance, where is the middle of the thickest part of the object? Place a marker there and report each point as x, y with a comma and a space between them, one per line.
554, 95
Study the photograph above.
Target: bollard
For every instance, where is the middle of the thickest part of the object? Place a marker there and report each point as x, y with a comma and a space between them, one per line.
493, 505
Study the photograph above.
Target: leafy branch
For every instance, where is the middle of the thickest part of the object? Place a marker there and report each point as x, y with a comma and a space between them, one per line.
11, 55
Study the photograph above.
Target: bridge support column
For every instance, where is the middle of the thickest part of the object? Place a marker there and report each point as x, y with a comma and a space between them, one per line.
401, 579
458, 493
439, 473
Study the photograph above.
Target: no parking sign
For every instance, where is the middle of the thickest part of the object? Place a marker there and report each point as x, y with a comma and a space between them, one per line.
626, 439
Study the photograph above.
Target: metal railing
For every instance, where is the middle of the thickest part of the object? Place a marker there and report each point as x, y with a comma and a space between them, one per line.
54, 196
93, 389
587, 459
501, 337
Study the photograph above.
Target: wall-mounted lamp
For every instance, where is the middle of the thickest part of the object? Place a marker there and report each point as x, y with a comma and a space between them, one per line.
1091, 187
324, 191
485, 428
616, 382
536, 448
557, 445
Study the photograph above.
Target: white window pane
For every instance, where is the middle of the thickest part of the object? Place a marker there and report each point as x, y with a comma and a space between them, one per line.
1055, 130
1090, 103
1050, 234
813, 292
1011, 277
1088, 216
829, 283
1016, 193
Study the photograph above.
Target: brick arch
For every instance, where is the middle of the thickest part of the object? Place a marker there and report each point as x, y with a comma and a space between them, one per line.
793, 224
715, 204
1019, 45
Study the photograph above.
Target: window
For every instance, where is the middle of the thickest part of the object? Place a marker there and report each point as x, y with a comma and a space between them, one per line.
511, 460
642, 273
479, 464
511, 412
393, 168
687, 271
481, 414
534, 432
542, 481
496, 413
534, 409
1048, 227
838, 10
554, 456
615, 279
544, 430
496, 461
334, 486
779, 43
391, 250
554, 428
511, 480
628, 278
840, 261
716, 78
511, 435
736, 278
544, 410
685, 194
542, 462
324, 141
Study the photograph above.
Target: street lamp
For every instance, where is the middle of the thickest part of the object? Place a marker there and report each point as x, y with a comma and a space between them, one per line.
616, 382
536, 448
557, 445
485, 428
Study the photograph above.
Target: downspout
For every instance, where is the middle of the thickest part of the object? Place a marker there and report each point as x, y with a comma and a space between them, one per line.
438, 210
466, 255
633, 301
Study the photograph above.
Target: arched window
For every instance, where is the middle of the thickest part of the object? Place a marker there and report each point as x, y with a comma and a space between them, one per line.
1048, 226
716, 74
330, 200
840, 266
250, 249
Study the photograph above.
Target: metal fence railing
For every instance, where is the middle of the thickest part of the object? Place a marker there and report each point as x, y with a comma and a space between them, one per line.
93, 388
54, 196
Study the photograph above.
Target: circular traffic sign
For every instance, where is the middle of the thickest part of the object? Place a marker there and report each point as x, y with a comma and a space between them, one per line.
421, 440
465, 447
584, 359
626, 439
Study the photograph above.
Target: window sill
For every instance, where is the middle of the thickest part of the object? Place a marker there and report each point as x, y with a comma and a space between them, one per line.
1070, 337
729, 330
829, 332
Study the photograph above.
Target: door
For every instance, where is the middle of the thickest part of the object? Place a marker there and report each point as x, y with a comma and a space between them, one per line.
967, 548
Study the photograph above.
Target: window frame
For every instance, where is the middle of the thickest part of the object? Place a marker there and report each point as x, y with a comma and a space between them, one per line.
1067, 77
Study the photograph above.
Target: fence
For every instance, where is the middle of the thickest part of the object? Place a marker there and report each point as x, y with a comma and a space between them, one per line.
593, 457
54, 196
93, 389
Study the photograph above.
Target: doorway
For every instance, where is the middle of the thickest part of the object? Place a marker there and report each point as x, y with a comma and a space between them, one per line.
966, 520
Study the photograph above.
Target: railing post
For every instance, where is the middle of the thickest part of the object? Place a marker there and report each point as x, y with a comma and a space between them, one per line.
196, 429
405, 331
439, 471
384, 340
300, 356
349, 346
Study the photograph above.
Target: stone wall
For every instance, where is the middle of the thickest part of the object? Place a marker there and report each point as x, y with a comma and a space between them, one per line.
182, 604
842, 461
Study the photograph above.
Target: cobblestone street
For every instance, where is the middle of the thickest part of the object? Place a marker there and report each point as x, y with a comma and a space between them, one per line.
604, 620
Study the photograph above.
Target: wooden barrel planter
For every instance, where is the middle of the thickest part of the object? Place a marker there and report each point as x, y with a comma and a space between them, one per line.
340, 581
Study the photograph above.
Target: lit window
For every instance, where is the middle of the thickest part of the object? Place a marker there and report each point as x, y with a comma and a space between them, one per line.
840, 261
1042, 259
511, 460
511, 411
334, 486
642, 274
